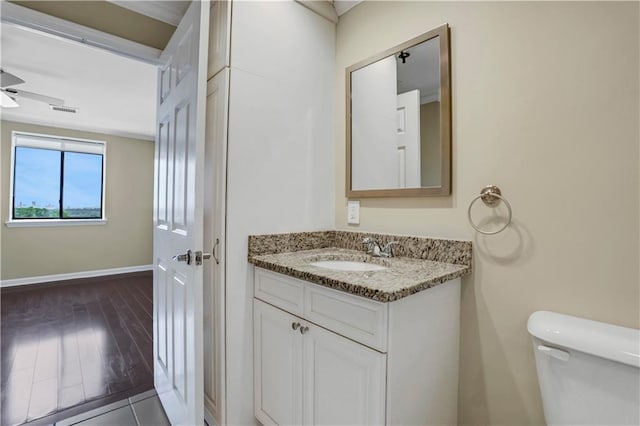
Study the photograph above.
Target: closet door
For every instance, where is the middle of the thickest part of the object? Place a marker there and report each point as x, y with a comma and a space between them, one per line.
214, 242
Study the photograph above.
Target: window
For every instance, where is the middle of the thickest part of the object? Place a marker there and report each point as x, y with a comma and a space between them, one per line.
57, 178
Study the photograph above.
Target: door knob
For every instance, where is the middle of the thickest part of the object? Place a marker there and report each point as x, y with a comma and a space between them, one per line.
295, 325
183, 257
304, 329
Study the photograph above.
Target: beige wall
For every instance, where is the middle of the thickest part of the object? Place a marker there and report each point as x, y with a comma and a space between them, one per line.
126, 239
545, 105
430, 164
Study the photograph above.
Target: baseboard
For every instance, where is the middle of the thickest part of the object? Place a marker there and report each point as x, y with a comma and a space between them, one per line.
74, 275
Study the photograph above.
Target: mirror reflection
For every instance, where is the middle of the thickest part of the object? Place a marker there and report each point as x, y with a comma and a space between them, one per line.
396, 136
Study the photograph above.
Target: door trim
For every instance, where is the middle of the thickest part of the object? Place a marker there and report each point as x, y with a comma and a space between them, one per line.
56, 27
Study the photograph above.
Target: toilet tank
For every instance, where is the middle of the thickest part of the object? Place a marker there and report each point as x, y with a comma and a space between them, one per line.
589, 371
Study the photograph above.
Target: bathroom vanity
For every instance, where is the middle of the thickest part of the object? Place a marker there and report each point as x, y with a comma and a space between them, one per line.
341, 337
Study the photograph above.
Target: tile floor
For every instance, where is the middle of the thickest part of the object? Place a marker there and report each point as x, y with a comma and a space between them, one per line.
139, 410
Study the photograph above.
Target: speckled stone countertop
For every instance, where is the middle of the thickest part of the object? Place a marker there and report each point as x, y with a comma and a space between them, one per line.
420, 263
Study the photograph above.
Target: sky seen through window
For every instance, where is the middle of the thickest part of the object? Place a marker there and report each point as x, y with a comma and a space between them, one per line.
37, 181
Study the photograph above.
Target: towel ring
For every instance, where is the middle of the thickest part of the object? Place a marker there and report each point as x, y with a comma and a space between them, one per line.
490, 196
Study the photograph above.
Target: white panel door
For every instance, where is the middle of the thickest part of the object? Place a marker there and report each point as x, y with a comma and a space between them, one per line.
178, 219
408, 139
214, 239
344, 382
277, 351
374, 99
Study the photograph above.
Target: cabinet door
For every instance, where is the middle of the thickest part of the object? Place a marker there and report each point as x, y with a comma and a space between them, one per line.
277, 366
219, 36
344, 381
215, 156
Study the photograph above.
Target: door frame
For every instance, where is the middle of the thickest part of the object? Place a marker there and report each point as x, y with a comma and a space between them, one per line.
14, 14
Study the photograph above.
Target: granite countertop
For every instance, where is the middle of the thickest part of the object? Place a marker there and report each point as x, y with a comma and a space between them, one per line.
419, 269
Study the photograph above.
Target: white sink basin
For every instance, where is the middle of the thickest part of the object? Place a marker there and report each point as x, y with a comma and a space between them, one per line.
346, 265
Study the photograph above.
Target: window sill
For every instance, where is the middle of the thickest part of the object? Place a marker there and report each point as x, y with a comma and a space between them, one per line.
28, 223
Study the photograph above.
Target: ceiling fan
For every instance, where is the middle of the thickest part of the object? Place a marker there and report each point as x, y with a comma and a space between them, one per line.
9, 95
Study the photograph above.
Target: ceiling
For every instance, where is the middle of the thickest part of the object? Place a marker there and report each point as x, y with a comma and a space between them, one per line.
343, 6
116, 95
169, 12
421, 70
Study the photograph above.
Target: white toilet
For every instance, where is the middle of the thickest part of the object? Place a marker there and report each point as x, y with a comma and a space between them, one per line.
589, 371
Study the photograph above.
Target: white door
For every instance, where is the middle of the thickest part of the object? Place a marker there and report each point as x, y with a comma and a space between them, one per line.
277, 351
408, 139
178, 220
374, 93
344, 381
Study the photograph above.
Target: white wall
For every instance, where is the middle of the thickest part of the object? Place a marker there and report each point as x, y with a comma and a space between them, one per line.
545, 99
281, 157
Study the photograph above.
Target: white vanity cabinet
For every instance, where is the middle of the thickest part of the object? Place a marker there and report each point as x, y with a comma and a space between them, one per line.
327, 357
305, 374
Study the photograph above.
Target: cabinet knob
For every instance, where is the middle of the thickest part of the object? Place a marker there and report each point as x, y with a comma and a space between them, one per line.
295, 325
304, 330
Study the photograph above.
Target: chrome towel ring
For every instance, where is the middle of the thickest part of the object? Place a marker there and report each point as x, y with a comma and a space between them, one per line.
491, 196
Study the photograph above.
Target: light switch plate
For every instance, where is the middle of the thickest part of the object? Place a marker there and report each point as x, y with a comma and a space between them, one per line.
353, 212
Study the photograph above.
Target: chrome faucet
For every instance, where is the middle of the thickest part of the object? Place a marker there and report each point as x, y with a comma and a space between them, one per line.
387, 250
374, 249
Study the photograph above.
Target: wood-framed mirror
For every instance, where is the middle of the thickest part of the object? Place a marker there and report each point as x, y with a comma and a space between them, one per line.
398, 120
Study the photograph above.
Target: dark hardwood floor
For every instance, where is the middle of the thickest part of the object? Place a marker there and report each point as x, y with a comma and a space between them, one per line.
71, 346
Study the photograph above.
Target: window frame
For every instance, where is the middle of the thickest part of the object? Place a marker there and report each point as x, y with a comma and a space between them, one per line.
29, 222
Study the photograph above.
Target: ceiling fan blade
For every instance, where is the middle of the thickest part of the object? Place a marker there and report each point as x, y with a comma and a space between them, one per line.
7, 101
8, 79
15, 93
